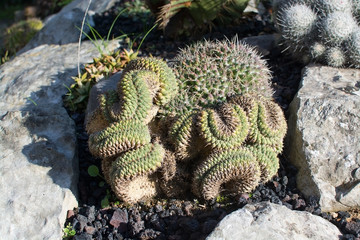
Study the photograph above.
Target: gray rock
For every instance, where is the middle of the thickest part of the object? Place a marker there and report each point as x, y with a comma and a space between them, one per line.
268, 221
38, 166
62, 28
263, 43
323, 140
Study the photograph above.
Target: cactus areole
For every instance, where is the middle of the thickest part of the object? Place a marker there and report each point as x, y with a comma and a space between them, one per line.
207, 125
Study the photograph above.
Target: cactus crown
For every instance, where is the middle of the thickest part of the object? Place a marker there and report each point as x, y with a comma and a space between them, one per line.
321, 30
210, 71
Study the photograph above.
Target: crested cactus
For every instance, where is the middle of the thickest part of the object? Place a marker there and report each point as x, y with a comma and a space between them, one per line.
236, 168
320, 30
209, 125
119, 132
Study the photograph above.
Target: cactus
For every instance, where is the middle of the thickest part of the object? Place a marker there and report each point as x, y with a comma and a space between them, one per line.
321, 30
226, 128
119, 132
237, 144
208, 72
186, 16
218, 131
236, 167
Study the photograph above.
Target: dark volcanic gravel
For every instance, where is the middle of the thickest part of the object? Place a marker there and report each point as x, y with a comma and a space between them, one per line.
177, 219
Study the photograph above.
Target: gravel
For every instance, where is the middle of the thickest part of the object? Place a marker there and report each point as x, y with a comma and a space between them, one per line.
189, 218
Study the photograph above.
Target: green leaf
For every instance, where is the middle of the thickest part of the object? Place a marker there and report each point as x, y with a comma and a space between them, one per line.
105, 202
93, 171
101, 184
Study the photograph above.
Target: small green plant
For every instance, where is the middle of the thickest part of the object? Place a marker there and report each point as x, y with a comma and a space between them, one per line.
19, 34
5, 58
136, 10
69, 232
103, 67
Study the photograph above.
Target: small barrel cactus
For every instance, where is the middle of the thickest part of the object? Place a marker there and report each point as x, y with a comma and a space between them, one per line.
320, 30
210, 71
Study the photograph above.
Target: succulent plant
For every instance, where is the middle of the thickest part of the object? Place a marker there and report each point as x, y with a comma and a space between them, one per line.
19, 34
236, 168
179, 17
320, 30
238, 143
209, 125
210, 71
118, 129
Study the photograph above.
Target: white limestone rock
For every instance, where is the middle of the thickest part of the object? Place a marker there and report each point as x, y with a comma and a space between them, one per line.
38, 158
323, 140
268, 221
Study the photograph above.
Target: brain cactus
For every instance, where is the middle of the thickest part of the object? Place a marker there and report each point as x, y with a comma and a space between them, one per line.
321, 30
207, 125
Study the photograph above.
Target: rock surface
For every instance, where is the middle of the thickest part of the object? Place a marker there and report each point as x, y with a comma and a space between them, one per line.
38, 166
62, 28
268, 221
323, 140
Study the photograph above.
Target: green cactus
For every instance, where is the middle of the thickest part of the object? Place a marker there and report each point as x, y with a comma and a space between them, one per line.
119, 137
225, 136
140, 161
119, 132
132, 166
182, 134
179, 17
167, 79
209, 72
267, 122
236, 167
267, 159
226, 128
320, 30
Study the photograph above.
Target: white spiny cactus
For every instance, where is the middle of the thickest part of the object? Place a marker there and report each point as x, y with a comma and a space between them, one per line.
326, 31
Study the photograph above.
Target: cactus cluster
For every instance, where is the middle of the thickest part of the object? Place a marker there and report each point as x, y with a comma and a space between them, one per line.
207, 125
325, 31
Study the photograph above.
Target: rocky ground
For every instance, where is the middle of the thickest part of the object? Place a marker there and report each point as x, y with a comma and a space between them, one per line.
189, 218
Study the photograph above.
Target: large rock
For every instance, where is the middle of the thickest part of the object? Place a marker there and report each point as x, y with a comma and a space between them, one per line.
268, 221
38, 166
324, 136
63, 27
